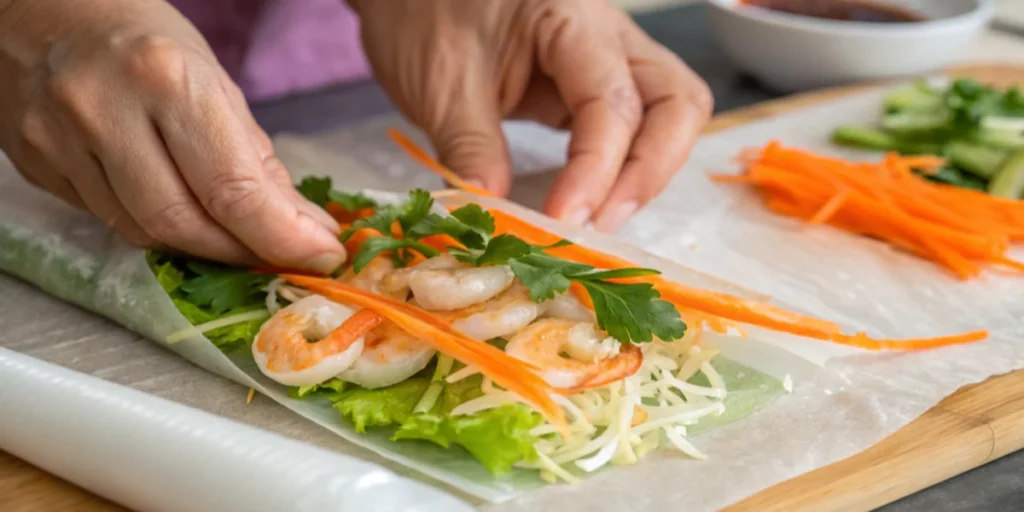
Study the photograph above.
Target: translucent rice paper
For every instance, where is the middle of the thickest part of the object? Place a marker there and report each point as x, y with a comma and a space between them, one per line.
72, 256
161, 456
845, 400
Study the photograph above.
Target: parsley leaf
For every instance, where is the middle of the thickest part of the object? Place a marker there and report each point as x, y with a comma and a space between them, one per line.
500, 249
315, 189
434, 224
633, 311
408, 214
476, 218
221, 289
351, 202
375, 245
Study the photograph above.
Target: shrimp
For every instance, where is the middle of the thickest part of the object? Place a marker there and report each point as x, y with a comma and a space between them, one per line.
566, 306
444, 284
503, 315
390, 355
371, 276
302, 345
594, 359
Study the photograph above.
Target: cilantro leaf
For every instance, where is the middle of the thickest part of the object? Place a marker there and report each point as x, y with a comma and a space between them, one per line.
351, 202
633, 312
543, 281
221, 288
315, 189
476, 218
434, 224
408, 214
375, 245
500, 249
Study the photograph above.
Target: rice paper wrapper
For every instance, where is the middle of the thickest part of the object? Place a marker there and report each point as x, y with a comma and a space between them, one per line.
72, 256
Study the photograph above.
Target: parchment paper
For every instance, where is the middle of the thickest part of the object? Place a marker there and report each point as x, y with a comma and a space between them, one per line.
853, 403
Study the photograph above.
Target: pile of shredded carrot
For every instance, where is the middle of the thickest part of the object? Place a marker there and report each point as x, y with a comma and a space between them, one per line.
957, 228
711, 306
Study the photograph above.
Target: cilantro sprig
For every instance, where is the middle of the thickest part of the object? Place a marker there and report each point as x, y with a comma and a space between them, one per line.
629, 312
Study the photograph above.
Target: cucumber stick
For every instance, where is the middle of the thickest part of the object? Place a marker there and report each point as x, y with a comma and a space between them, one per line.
1008, 180
980, 161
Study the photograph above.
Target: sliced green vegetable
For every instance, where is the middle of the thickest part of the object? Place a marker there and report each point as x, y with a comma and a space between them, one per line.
1009, 179
864, 137
981, 161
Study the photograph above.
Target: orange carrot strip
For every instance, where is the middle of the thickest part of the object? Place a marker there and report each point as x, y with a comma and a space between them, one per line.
506, 371
863, 341
421, 156
829, 209
345, 216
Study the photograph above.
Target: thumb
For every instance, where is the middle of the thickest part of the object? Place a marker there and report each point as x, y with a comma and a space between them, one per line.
470, 142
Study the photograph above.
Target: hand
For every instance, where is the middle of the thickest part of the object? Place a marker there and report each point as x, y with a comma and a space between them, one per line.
457, 67
119, 107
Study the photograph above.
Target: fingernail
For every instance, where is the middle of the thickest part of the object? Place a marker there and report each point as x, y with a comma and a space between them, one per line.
326, 263
579, 216
616, 216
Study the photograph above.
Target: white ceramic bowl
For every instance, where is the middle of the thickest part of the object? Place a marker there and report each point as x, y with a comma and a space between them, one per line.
790, 53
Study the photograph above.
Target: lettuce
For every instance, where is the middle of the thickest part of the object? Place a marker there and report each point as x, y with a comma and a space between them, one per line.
203, 292
497, 438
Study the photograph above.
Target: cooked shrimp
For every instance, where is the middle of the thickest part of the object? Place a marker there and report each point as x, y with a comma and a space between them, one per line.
371, 276
594, 359
566, 306
302, 344
390, 355
444, 284
503, 315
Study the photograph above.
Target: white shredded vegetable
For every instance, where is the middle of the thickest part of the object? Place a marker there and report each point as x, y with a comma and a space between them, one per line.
463, 373
628, 419
485, 402
217, 324
272, 305
787, 383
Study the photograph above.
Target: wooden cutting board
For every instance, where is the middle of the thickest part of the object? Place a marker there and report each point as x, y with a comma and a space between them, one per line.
976, 425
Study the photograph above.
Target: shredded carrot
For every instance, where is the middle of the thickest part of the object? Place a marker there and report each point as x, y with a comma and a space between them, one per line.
790, 185
346, 216
961, 230
421, 156
510, 373
357, 325
249, 396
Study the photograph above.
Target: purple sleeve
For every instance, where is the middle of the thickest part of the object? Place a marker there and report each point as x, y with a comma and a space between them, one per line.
276, 47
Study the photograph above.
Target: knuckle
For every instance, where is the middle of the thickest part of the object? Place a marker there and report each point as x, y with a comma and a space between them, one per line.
172, 223
70, 89
34, 130
701, 98
157, 62
234, 198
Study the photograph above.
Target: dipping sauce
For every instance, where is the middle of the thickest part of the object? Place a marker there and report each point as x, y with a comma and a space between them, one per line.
844, 10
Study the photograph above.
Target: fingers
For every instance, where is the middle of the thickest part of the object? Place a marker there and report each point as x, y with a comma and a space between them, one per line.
216, 156
677, 104
146, 181
470, 141
592, 75
274, 168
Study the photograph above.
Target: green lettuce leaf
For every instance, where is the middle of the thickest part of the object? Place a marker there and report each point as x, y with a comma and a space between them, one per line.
381, 407
498, 438
332, 390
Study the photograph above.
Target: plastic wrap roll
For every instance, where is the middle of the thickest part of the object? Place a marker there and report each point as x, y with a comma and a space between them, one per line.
152, 454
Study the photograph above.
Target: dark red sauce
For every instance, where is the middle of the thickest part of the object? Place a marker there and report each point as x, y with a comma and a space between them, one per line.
845, 10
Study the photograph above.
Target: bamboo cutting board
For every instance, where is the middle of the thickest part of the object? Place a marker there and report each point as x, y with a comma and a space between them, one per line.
976, 425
